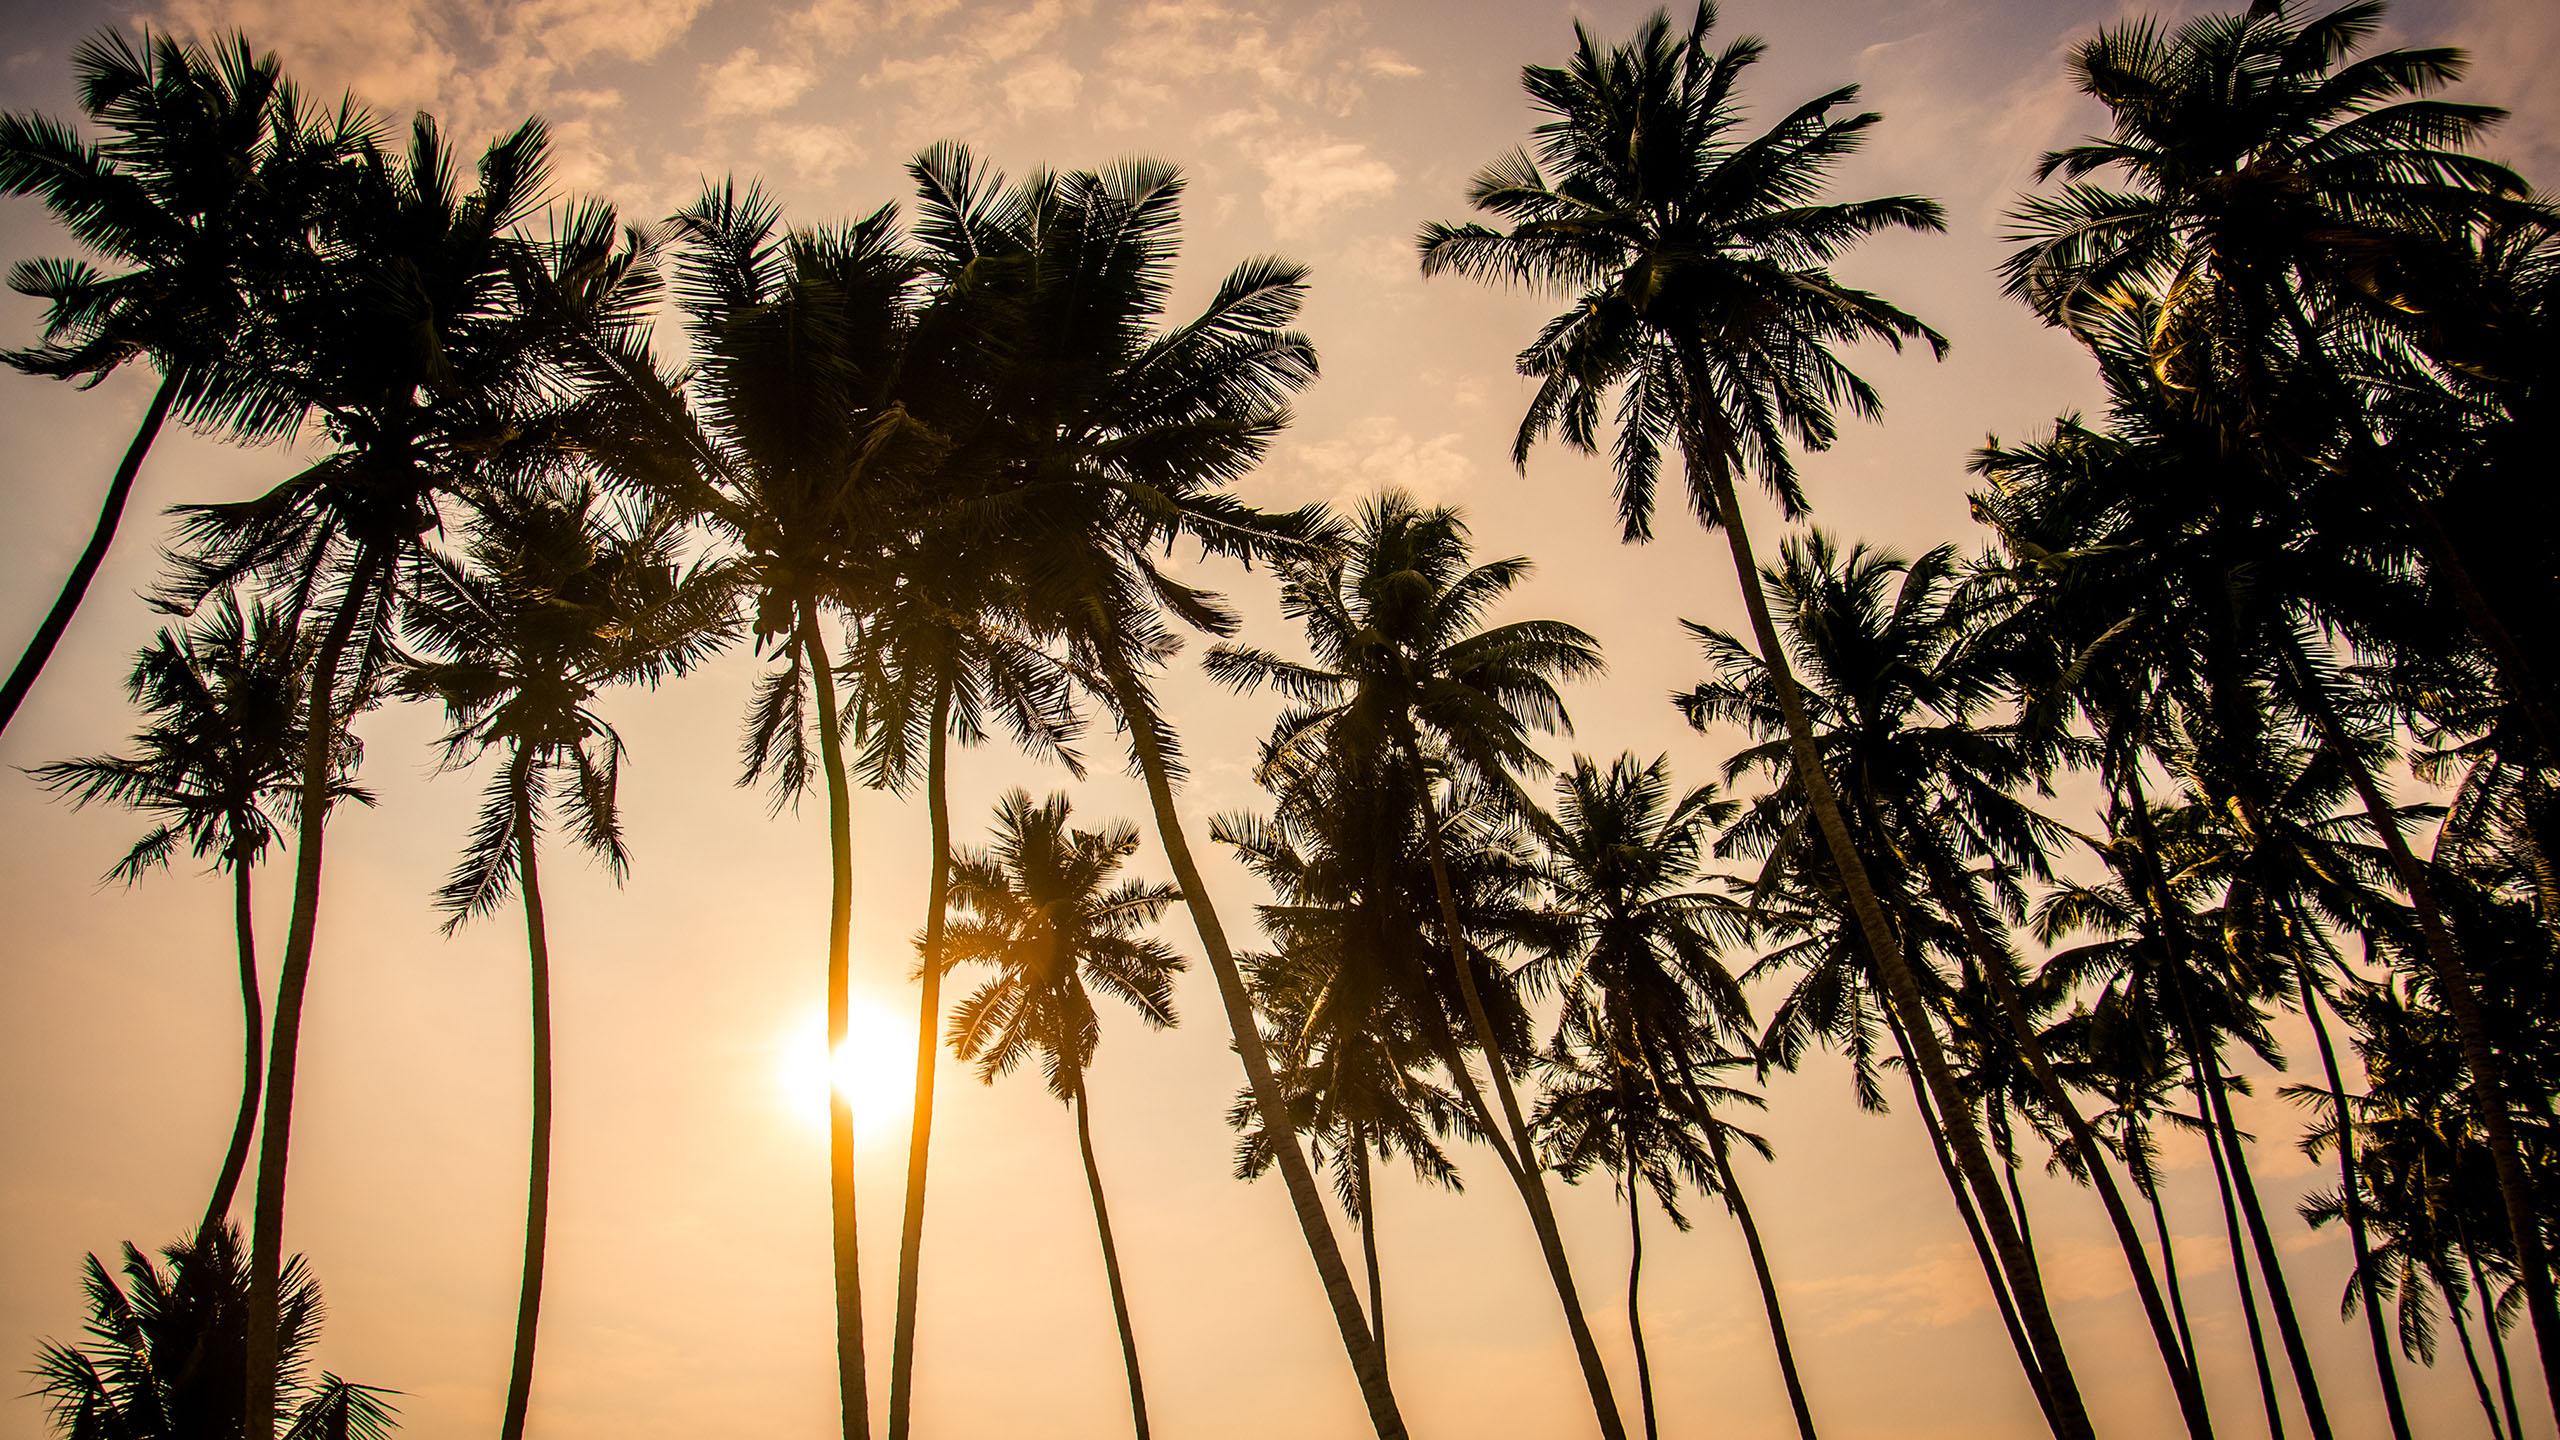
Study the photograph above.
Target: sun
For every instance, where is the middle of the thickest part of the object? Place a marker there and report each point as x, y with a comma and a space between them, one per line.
875, 1068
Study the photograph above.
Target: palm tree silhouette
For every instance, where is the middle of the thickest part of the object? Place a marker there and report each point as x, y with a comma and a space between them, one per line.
210, 179
217, 765
550, 603
1041, 913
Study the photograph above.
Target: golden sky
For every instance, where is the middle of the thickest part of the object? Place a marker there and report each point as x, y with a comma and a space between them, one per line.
689, 1291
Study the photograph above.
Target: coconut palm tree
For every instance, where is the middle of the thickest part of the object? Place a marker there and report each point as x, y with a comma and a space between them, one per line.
1117, 438
1696, 257
1044, 911
1400, 667
168, 1347
550, 603
217, 765
463, 399
210, 177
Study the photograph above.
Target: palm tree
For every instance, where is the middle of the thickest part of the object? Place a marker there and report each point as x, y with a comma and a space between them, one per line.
2284, 202
788, 441
551, 603
168, 1347
1392, 621
1043, 916
432, 337
1640, 972
217, 765
1696, 259
208, 182
1114, 439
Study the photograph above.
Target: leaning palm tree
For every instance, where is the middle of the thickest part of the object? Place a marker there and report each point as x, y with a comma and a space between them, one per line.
1115, 438
1044, 911
1402, 676
551, 603
168, 1347
217, 766
1696, 258
463, 399
788, 442
209, 178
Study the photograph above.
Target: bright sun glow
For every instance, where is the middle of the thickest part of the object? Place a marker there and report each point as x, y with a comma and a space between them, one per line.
875, 1068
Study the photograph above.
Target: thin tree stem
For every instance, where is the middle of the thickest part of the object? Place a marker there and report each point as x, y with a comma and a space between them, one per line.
902, 1344
537, 1208
293, 980
31, 661
1369, 1243
244, 1125
1741, 1209
1111, 1262
1635, 1311
1304, 1199
853, 1393
2496, 1333
2215, 1147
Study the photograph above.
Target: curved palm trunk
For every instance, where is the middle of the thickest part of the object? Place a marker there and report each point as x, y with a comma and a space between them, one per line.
2174, 1355
1369, 1244
2497, 1338
2149, 1184
2471, 1356
1635, 1311
235, 1161
1991, 1273
1304, 1199
1111, 1262
2215, 1148
2035, 1316
76, 585
1741, 1209
853, 1393
293, 980
902, 1343
1527, 1173
2349, 1194
537, 1203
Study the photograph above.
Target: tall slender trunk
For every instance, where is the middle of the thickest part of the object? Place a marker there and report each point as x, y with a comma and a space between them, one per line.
853, 1393
1367, 1365
2488, 1088
293, 980
31, 662
2497, 1336
1741, 1209
235, 1161
1528, 1173
1635, 1311
2213, 1140
2070, 1416
1369, 1243
902, 1344
1991, 1272
2176, 1356
537, 1203
2350, 1195
2149, 1184
2453, 1310
1111, 1262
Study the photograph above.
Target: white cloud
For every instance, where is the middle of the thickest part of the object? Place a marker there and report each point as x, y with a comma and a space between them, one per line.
1048, 83
815, 151
1376, 454
748, 84
1311, 179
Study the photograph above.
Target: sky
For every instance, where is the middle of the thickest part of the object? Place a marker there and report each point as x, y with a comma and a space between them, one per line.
688, 1285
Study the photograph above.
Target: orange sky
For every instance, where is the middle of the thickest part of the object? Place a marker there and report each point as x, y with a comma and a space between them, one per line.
689, 1290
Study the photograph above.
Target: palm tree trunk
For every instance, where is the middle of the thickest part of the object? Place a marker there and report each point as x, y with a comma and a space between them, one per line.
902, 1344
2470, 1356
2070, 1416
537, 1204
1991, 1272
85, 569
2350, 1195
2497, 1336
293, 980
1111, 1261
1741, 1209
1367, 1364
1528, 1173
1635, 1312
853, 1395
235, 1161
2149, 1184
2488, 1088
2213, 1140
1369, 1243
2174, 1355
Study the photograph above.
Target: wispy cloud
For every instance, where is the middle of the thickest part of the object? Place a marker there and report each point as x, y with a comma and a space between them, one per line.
748, 84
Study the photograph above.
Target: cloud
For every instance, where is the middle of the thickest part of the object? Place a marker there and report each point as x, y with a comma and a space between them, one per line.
1048, 83
1311, 179
815, 151
1309, 59
748, 84
1940, 1287
1375, 454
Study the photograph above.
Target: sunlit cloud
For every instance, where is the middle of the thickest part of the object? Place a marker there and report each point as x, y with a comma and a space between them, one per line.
748, 84
1373, 454
815, 152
